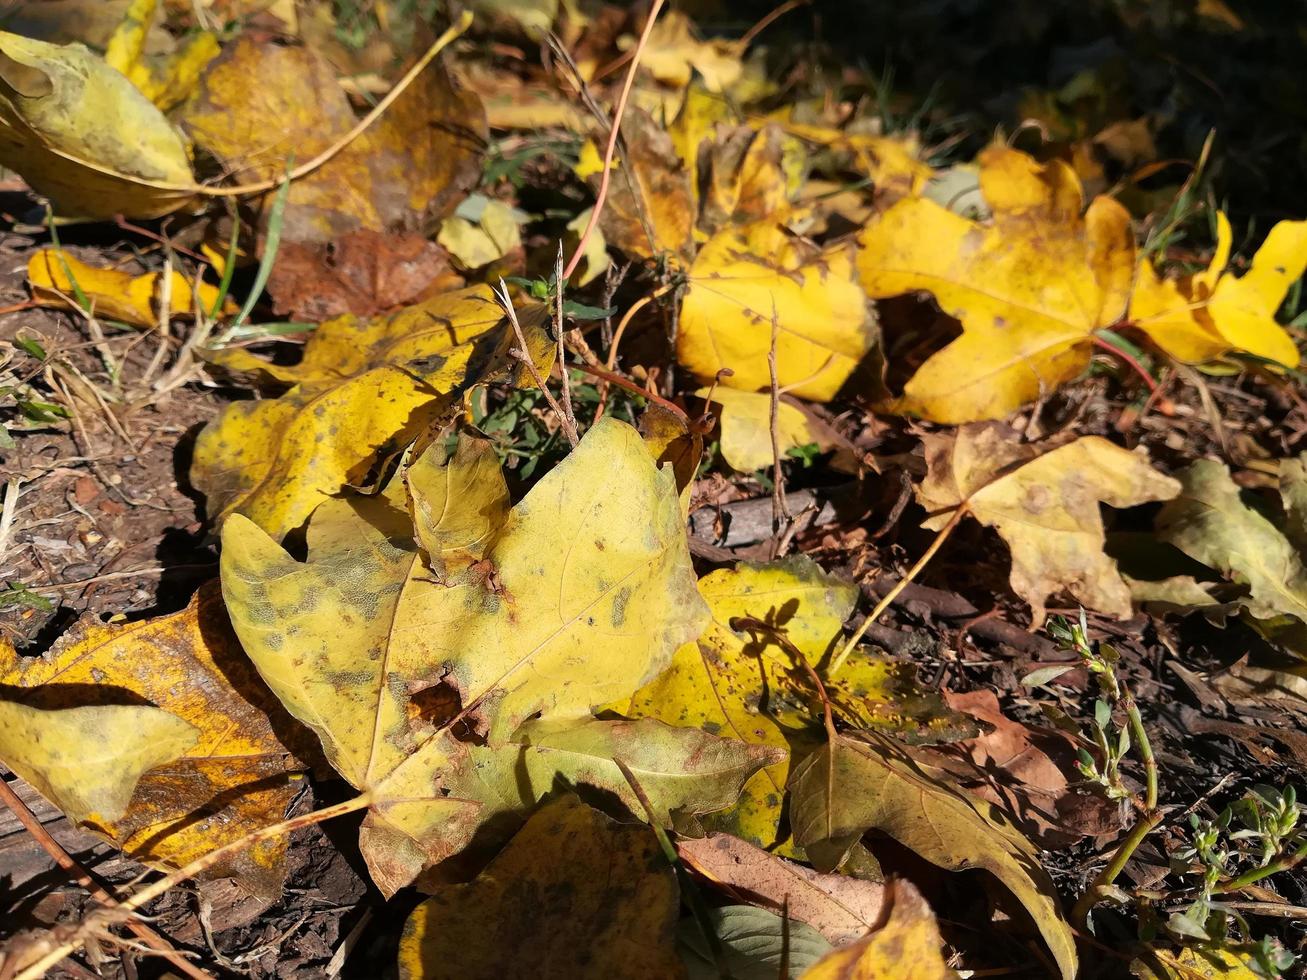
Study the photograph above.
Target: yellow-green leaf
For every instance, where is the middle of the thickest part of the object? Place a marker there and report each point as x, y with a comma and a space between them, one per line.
585, 593
745, 420
851, 786
81, 134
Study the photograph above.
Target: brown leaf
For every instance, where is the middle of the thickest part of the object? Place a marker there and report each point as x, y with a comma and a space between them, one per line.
841, 908
363, 272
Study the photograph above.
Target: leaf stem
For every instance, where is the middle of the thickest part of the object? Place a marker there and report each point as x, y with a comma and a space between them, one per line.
1283, 863
1091, 897
963, 509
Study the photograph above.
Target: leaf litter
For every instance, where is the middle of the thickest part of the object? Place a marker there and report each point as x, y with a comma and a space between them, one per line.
450, 514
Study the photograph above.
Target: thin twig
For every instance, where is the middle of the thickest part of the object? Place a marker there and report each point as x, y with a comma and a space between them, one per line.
963, 509
87, 879
523, 354
620, 111
559, 281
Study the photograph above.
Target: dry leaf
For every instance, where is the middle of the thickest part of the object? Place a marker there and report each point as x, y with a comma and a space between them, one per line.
649, 211
907, 946
586, 591
1045, 506
840, 907
363, 273
851, 786
745, 419
1211, 313
735, 683
1030, 288
1210, 523
408, 168
82, 135
114, 294
169, 80
481, 231
573, 895
363, 390
742, 279
232, 779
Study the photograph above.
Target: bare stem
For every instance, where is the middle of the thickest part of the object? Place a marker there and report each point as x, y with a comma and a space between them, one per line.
963, 509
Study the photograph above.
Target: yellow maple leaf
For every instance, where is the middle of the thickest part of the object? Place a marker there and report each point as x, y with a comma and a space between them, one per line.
1201, 317
364, 388
742, 279
1044, 504
745, 420
905, 946
1029, 289
55, 277
673, 53
418, 682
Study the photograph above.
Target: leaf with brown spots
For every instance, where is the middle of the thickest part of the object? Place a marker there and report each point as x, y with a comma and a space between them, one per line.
1044, 504
364, 390
417, 678
237, 776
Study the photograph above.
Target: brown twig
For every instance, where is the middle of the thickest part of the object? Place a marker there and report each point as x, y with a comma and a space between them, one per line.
87, 879
605, 177
523, 354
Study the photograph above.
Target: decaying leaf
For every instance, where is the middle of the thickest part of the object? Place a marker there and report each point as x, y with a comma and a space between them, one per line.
82, 135
1204, 963
115, 294
165, 80
1206, 315
1210, 522
230, 775
1030, 288
410, 167
745, 419
364, 389
575, 894
649, 210
1044, 505
907, 946
364, 273
853, 785
742, 279
416, 684
743, 685
840, 907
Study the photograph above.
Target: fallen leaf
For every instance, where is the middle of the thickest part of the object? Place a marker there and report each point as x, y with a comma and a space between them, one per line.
573, 895
673, 54
1203, 963
649, 211
1045, 506
1210, 522
406, 678
481, 231
167, 80
731, 682
756, 944
752, 175
364, 389
742, 279
1208, 314
232, 777
746, 437
1030, 288
364, 273
115, 294
853, 785
408, 168
82, 135
839, 907
907, 946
